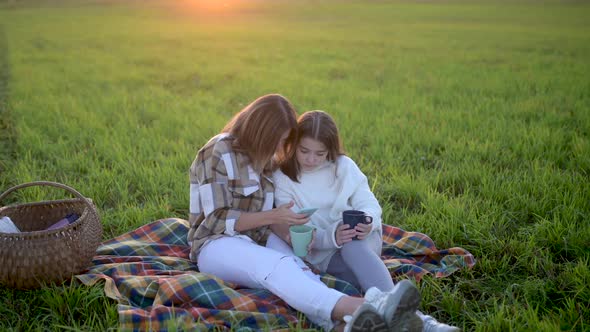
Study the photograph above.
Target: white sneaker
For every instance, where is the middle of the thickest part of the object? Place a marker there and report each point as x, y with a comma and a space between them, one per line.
365, 319
414, 324
398, 306
432, 325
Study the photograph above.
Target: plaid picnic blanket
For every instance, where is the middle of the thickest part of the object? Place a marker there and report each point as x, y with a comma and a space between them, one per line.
159, 289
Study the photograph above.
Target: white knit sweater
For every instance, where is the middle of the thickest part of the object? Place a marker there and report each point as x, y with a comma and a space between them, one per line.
332, 188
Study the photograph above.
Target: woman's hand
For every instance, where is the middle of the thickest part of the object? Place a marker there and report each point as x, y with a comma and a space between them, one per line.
284, 215
363, 230
344, 234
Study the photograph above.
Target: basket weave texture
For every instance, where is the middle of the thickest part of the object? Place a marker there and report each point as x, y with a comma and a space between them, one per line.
37, 256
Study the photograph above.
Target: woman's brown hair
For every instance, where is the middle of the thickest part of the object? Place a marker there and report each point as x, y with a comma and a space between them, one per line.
317, 125
259, 126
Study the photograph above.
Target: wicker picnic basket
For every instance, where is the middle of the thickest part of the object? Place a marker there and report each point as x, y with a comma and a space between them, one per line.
36, 256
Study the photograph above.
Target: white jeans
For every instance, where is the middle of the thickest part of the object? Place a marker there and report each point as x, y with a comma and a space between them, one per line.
241, 261
276, 243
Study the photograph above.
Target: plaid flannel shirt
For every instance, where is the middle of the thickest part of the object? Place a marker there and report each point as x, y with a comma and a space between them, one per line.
223, 184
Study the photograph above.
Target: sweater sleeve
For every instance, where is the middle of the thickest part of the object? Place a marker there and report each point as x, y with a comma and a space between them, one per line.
283, 190
326, 237
363, 199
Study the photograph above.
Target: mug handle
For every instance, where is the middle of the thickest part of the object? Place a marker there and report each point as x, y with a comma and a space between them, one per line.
368, 219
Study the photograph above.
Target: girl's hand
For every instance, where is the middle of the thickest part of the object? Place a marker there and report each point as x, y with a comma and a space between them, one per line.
363, 230
284, 215
312, 242
309, 246
344, 234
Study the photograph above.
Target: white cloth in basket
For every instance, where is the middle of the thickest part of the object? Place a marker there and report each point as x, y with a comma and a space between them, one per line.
7, 226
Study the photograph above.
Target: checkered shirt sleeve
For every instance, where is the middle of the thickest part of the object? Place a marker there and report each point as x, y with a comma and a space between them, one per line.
222, 186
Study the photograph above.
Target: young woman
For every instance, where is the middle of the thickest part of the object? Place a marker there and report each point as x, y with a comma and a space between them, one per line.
231, 213
318, 174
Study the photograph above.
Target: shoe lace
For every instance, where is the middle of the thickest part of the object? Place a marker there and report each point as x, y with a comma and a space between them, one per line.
375, 297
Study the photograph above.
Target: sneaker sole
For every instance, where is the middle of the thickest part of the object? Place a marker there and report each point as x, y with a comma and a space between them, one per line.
403, 306
415, 324
366, 319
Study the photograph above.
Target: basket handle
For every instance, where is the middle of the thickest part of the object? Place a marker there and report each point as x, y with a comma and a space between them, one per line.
51, 184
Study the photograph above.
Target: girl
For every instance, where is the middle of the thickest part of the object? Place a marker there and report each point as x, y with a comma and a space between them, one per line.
319, 175
231, 209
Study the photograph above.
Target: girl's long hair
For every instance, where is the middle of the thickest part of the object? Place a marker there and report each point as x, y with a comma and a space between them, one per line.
317, 125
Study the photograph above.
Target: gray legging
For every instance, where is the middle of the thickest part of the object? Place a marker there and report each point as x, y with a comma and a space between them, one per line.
358, 264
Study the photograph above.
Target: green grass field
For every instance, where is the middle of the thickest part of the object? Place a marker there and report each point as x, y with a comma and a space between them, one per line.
470, 118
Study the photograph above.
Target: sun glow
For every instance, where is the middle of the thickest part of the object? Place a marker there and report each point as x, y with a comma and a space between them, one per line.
217, 9
215, 5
